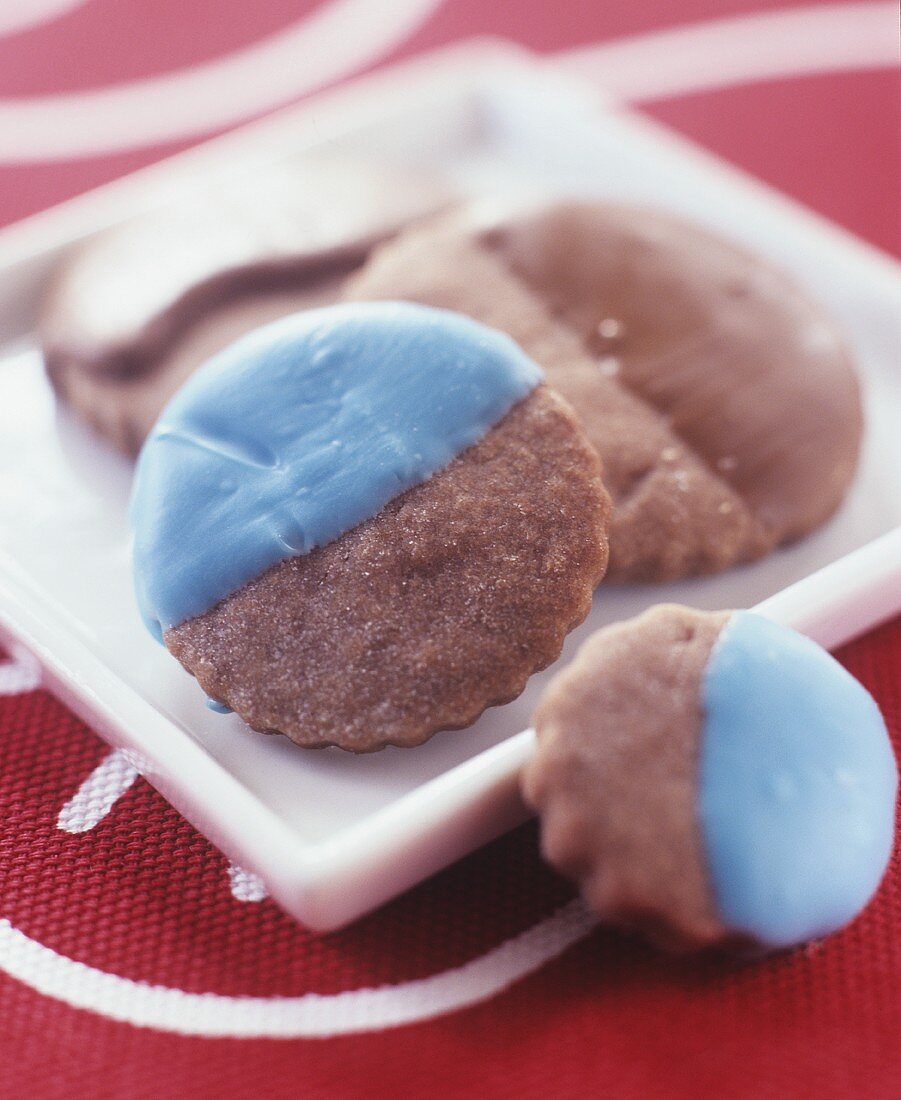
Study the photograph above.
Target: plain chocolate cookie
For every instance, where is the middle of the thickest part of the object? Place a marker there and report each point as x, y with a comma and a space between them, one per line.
722, 400
133, 312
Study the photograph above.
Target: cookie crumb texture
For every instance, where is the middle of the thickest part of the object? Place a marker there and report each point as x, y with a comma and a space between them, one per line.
420, 618
615, 775
722, 400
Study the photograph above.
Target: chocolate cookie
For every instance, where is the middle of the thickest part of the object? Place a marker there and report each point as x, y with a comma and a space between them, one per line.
722, 401
139, 307
713, 778
366, 523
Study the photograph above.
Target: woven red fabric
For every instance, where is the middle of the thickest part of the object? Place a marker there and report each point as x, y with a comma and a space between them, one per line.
143, 896
832, 142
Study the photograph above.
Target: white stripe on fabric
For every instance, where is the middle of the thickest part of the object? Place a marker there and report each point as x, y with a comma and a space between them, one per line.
334, 40
98, 793
744, 48
342, 36
245, 885
19, 15
310, 1016
20, 673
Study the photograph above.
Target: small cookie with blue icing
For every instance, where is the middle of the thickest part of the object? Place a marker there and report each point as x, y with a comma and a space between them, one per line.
714, 779
365, 523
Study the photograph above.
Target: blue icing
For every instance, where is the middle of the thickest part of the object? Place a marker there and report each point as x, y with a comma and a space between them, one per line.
300, 431
797, 785
219, 708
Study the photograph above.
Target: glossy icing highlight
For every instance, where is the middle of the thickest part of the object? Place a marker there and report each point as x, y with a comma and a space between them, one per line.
302, 430
797, 784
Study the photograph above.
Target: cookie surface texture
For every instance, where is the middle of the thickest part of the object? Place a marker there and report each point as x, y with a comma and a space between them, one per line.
395, 530
721, 399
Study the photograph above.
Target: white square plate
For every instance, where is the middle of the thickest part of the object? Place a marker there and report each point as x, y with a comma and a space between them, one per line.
334, 835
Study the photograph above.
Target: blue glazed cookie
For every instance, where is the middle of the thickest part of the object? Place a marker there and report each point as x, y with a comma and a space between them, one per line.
366, 523
714, 778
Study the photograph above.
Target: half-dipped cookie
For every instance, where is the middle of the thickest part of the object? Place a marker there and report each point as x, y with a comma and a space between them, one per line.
722, 400
714, 779
135, 310
366, 523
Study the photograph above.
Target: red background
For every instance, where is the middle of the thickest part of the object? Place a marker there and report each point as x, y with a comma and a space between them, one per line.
145, 897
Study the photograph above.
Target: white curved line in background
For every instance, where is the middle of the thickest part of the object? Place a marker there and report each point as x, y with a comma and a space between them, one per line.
334, 40
18, 15
725, 52
343, 35
310, 1016
20, 673
98, 793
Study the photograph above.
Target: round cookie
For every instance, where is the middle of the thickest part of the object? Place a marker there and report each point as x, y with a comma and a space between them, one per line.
714, 778
134, 311
722, 401
366, 523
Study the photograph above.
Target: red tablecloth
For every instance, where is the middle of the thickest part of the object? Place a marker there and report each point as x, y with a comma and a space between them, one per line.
109, 901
